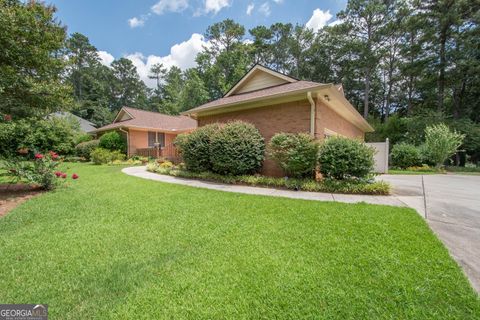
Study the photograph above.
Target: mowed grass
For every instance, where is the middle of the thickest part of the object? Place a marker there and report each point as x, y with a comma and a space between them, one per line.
111, 246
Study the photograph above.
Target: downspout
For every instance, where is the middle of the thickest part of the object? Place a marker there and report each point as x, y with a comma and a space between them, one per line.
128, 141
312, 114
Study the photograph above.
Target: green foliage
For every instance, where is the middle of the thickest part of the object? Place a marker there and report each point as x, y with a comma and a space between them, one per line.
83, 138
405, 155
103, 156
40, 171
84, 149
31, 66
327, 185
441, 142
237, 148
34, 135
296, 154
113, 141
195, 147
341, 158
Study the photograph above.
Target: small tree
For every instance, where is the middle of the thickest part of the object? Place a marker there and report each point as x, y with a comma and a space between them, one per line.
441, 142
296, 154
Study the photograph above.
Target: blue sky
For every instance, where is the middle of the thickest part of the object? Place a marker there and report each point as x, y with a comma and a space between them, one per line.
170, 31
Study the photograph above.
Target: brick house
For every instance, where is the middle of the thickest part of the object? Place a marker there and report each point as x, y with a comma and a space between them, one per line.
274, 103
149, 133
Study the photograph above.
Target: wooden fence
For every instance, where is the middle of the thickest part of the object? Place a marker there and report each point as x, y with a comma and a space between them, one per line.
168, 152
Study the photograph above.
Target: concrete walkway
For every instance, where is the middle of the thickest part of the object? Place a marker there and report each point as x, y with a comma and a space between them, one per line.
401, 201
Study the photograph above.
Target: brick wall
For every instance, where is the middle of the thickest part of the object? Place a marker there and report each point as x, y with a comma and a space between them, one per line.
290, 117
326, 118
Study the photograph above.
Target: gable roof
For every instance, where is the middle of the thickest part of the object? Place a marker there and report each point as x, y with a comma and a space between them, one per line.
135, 118
274, 88
259, 77
85, 125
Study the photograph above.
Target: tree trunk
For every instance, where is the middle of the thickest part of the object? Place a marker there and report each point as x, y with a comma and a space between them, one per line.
442, 66
367, 90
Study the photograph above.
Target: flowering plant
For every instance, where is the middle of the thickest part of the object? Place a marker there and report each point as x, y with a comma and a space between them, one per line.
41, 171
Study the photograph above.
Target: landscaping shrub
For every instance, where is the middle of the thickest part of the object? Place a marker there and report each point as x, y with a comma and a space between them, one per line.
83, 138
296, 154
38, 135
342, 158
195, 147
327, 185
84, 149
441, 143
405, 155
113, 141
238, 148
103, 156
40, 171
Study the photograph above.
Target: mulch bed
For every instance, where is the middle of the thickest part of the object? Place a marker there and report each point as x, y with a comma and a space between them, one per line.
11, 195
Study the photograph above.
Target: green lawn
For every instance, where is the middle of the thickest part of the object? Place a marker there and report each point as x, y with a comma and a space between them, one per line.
111, 246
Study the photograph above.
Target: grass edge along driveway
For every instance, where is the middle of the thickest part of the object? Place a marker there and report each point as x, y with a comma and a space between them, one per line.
114, 246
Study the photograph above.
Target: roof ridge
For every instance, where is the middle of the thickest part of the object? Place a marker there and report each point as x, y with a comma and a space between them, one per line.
274, 86
155, 112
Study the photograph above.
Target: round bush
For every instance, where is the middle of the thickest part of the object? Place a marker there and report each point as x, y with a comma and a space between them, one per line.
405, 155
296, 154
84, 149
113, 141
238, 148
195, 147
102, 156
342, 158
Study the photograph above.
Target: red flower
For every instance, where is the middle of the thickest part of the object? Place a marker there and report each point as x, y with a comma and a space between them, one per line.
58, 173
7, 117
53, 154
64, 175
38, 156
74, 176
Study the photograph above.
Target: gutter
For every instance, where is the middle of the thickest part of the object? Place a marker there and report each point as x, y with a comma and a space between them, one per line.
312, 113
128, 140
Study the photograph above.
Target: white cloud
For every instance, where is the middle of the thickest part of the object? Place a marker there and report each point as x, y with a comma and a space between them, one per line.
216, 5
336, 22
105, 58
181, 55
163, 6
250, 8
319, 19
278, 1
265, 9
136, 22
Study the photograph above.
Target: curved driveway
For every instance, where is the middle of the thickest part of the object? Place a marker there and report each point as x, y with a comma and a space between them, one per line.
452, 210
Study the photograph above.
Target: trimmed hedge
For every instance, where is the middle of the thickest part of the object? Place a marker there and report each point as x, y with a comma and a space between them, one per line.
195, 147
234, 148
237, 148
296, 154
405, 155
84, 149
342, 158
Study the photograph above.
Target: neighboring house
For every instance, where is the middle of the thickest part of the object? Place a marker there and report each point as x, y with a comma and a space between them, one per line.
149, 133
85, 125
274, 103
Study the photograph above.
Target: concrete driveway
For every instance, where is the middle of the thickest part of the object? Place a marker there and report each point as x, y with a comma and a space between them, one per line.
451, 206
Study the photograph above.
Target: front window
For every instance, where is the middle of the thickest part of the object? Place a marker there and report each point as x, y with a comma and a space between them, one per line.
156, 137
